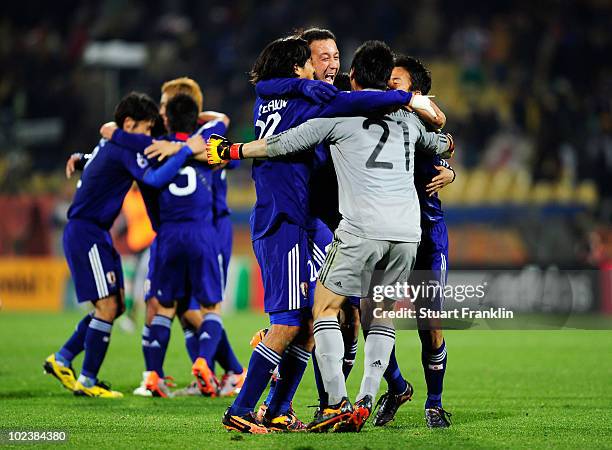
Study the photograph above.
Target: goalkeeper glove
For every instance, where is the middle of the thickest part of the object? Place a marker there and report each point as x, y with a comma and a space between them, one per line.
220, 149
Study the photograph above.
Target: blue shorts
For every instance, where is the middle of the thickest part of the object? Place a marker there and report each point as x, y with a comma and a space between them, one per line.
224, 237
188, 264
431, 262
94, 263
283, 257
294, 318
149, 289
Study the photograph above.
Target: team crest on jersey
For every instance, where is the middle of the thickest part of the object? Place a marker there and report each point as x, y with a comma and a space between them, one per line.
111, 278
304, 288
141, 161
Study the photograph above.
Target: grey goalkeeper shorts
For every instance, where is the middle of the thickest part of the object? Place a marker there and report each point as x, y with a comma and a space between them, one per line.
354, 264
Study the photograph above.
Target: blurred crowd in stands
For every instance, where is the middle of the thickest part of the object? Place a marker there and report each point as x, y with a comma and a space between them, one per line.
526, 85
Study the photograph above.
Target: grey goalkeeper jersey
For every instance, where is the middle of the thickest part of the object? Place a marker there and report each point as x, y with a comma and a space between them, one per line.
374, 162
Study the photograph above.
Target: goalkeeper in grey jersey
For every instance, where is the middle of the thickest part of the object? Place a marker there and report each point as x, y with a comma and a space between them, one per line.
379, 232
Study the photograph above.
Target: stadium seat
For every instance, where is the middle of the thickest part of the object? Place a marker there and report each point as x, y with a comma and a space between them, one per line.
520, 188
476, 187
500, 189
541, 193
586, 194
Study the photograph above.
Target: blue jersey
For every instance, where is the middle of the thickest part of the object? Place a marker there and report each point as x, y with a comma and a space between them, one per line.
188, 196
107, 177
283, 184
219, 177
424, 171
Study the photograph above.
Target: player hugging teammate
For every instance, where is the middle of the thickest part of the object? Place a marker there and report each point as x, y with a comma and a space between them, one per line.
382, 140
357, 147
188, 266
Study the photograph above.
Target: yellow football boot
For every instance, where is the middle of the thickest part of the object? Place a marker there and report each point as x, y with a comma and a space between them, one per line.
64, 374
100, 390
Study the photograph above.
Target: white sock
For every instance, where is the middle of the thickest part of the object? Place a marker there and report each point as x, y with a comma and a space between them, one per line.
378, 346
329, 349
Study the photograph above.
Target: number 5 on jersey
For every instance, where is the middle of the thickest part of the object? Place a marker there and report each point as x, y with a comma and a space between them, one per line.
190, 188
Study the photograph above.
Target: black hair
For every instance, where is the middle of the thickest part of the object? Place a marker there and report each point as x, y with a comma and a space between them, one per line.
182, 114
138, 106
372, 65
279, 59
419, 75
343, 81
316, 34
159, 129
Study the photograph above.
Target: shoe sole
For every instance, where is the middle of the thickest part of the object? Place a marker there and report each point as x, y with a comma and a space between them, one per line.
48, 369
206, 389
329, 423
81, 394
85, 394
354, 423
232, 393
245, 428
157, 393
378, 423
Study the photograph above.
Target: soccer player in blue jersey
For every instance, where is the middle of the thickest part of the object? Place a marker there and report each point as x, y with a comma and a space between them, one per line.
323, 207
191, 315
431, 173
279, 229
371, 67
188, 263
94, 263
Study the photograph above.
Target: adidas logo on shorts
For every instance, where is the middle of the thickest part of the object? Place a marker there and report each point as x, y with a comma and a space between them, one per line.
338, 283
377, 363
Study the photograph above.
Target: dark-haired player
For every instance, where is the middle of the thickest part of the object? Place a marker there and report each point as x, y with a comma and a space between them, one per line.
94, 263
279, 230
277, 185
323, 206
192, 319
187, 264
431, 173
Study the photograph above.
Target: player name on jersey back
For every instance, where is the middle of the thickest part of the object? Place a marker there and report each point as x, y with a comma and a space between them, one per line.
272, 105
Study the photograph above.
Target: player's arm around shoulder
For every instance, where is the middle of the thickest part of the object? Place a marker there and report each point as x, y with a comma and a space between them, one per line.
434, 143
301, 138
209, 116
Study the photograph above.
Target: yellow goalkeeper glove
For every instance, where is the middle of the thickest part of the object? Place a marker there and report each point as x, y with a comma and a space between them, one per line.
219, 149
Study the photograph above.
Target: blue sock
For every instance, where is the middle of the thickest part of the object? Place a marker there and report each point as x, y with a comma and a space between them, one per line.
323, 399
146, 347
209, 336
97, 339
434, 366
226, 357
76, 343
393, 376
158, 342
291, 370
262, 364
192, 344
350, 353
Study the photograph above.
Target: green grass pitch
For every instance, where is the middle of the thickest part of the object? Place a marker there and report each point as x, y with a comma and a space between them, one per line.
506, 389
